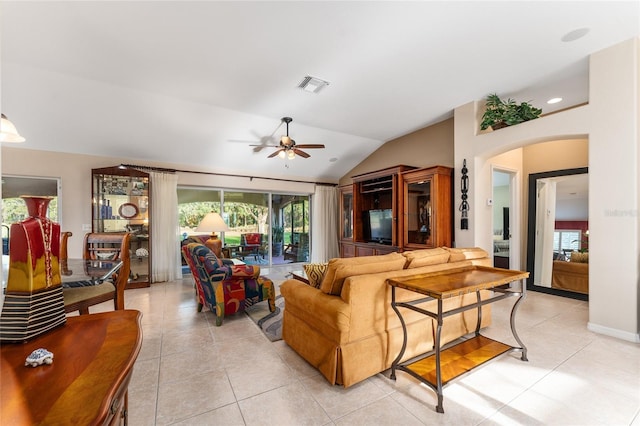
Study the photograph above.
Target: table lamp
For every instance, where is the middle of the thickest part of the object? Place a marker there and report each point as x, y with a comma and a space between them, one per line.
213, 223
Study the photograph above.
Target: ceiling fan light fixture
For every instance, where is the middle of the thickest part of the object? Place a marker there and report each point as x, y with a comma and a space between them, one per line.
288, 147
285, 140
312, 84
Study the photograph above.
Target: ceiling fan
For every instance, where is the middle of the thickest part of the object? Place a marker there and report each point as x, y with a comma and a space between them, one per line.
288, 148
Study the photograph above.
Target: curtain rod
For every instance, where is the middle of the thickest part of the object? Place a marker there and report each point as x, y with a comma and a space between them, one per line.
251, 178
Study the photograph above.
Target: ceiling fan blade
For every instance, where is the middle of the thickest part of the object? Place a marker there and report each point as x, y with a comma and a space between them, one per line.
265, 138
301, 153
276, 152
309, 146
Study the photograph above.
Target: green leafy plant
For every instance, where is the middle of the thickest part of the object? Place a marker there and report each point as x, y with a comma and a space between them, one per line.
500, 113
277, 234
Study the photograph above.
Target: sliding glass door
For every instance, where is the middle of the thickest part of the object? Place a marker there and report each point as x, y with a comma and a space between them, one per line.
265, 228
290, 218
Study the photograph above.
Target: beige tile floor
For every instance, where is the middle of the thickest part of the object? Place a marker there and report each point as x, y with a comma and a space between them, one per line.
190, 372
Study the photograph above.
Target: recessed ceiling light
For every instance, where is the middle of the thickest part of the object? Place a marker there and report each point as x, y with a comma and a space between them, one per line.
333, 159
554, 100
312, 84
575, 34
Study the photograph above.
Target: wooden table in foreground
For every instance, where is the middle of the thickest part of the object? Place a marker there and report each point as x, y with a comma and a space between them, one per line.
460, 356
88, 380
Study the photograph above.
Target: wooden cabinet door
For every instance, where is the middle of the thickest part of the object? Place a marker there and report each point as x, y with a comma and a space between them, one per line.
346, 212
365, 251
425, 201
347, 250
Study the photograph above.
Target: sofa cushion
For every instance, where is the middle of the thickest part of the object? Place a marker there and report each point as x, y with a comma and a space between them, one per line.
340, 268
315, 273
426, 257
579, 257
460, 254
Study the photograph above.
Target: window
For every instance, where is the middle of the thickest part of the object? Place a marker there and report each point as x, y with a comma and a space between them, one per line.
14, 208
566, 240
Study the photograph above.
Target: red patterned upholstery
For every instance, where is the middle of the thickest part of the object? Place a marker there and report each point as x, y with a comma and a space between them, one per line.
253, 244
252, 239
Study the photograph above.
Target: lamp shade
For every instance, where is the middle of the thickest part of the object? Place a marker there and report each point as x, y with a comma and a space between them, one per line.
212, 222
8, 132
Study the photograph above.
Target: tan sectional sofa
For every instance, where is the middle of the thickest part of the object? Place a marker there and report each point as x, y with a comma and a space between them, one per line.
572, 276
347, 329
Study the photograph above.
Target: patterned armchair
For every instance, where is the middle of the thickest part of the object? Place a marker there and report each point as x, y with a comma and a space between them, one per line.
225, 288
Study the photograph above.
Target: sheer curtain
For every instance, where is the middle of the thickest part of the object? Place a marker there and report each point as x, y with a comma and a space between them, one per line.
165, 252
324, 226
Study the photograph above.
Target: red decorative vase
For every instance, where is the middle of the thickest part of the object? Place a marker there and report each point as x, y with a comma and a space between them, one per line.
33, 301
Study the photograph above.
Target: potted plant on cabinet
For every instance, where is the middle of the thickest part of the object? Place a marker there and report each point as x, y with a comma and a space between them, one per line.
500, 113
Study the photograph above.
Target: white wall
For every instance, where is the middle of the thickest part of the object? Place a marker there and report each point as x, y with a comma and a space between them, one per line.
610, 122
74, 172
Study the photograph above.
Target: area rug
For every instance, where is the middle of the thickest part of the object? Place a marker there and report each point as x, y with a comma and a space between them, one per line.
269, 322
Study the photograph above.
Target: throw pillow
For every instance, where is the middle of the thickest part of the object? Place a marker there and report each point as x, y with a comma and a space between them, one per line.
315, 273
579, 257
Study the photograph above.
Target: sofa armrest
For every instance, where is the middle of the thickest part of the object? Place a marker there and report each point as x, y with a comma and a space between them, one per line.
322, 311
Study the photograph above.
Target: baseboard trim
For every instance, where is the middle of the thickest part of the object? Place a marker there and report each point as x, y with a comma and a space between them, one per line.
613, 332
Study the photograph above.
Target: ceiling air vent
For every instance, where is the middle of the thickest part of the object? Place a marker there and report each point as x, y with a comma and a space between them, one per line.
312, 84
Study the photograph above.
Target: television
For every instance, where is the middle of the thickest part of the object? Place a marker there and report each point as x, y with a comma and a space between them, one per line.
379, 225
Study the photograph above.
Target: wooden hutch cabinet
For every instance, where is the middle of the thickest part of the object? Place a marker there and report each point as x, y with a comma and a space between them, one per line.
121, 203
375, 213
426, 206
396, 209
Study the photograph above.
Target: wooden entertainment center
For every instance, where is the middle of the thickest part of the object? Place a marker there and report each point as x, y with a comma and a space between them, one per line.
396, 209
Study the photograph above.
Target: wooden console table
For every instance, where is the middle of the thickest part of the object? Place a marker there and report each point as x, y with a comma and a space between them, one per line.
300, 276
460, 356
88, 380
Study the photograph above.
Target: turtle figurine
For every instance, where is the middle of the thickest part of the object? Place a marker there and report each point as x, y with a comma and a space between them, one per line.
38, 357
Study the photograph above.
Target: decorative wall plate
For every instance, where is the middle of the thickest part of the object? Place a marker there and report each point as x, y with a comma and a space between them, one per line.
128, 210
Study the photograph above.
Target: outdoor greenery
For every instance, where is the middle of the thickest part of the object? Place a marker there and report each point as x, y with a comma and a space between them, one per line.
190, 214
237, 215
500, 113
277, 234
247, 217
295, 217
15, 210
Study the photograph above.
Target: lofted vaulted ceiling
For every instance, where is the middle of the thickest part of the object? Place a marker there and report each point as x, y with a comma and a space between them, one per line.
196, 83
